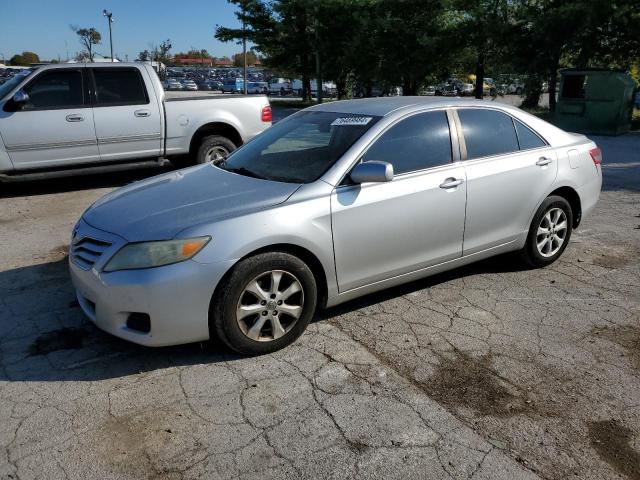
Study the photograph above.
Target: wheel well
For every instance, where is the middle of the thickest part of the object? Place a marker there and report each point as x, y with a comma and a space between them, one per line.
571, 196
216, 128
303, 254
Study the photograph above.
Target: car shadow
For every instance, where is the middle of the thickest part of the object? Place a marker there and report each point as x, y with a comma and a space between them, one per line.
44, 335
80, 182
504, 263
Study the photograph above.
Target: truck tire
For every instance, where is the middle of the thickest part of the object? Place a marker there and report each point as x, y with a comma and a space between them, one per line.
214, 148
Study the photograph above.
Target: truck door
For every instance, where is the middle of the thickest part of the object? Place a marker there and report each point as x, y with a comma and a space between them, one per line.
55, 126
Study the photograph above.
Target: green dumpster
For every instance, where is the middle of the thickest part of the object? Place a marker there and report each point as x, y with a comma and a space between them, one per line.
596, 101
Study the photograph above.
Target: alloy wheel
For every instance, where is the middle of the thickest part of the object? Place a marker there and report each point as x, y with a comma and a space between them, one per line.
216, 154
270, 305
552, 232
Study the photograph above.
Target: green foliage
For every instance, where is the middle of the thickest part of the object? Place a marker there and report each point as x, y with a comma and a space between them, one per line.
144, 56
24, 59
88, 37
410, 42
238, 59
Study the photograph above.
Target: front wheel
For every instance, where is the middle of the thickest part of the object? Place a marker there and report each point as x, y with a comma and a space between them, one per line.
549, 232
265, 303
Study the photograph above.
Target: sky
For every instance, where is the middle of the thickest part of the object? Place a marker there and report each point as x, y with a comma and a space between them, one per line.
43, 26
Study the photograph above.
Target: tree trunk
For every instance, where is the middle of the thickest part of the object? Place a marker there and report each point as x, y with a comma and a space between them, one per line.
553, 85
533, 87
479, 90
408, 86
341, 87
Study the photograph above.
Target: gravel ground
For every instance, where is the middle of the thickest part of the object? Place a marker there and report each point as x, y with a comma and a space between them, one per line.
486, 372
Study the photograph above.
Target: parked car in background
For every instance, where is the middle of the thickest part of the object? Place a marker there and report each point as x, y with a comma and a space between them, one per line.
174, 85
466, 89
233, 85
189, 85
313, 213
203, 85
280, 86
258, 87
430, 91
50, 126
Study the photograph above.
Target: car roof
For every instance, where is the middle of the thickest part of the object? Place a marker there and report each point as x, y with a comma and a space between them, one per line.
383, 106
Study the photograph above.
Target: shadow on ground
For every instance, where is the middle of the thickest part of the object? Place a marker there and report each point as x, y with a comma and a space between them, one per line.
45, 336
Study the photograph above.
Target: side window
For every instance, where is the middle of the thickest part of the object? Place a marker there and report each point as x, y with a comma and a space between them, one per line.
487, 132
418, 142
119, 86
527, 138
55, 89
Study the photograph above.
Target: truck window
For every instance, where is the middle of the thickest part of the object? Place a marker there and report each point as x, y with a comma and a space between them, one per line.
119, 86
55, 89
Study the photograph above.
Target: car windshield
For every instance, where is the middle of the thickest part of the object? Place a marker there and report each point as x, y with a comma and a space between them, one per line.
301, 148
9, 85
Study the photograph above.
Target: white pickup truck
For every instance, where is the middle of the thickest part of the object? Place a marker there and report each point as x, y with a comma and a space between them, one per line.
80, 118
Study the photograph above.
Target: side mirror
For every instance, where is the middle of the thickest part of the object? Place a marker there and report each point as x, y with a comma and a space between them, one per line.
372, 171
20, 98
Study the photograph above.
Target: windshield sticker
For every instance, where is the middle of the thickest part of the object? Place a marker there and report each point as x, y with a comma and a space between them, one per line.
350, 121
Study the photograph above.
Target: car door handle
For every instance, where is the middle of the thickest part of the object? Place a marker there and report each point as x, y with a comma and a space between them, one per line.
542, 161
142, 113
451, 182
74, 117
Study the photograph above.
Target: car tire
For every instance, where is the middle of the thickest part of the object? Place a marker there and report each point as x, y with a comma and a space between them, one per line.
518, 91
254, 334
549, 233
214, 147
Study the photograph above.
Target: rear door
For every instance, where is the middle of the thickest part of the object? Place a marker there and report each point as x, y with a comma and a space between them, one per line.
55, 126
509, 169
128, 123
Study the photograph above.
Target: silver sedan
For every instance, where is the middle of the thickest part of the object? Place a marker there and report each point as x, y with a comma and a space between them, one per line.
337, 201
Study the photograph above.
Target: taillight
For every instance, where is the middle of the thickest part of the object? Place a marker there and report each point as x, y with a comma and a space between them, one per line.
266, 114
596, 156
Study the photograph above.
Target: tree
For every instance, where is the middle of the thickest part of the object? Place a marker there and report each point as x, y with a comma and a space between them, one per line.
144, 56
24, 59
238, 60
88, 37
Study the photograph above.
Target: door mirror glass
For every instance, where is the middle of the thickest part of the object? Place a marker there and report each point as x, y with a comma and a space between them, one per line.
372, 171
20, 98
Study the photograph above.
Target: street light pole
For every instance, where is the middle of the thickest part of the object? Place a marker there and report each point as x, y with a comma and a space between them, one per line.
244, 51
109, 16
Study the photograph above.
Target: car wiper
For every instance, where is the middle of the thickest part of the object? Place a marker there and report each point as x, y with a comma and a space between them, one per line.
245, 172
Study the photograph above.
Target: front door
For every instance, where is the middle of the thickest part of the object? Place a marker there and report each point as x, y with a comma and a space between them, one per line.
55, 126
128, 123
381, 230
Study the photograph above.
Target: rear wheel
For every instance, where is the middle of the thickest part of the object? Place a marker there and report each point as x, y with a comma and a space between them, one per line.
265, 303
214, 148
549, 232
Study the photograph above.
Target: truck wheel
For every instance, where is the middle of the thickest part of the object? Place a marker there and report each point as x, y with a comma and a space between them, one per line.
214, 148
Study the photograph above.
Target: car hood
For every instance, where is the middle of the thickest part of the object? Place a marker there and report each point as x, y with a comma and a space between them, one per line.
160, 207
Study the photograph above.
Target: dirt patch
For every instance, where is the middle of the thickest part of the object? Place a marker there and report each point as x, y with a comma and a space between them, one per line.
612, 442
465, 381
607, 260
63, 339
628, 337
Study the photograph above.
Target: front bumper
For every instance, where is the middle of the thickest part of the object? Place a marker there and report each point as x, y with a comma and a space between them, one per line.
176, 298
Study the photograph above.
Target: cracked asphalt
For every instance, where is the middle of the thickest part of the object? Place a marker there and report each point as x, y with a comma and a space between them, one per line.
486, 372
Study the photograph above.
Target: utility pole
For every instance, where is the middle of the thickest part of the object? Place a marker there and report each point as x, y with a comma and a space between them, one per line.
109, 16
244, 50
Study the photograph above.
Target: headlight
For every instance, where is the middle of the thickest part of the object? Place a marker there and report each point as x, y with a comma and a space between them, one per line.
155, 254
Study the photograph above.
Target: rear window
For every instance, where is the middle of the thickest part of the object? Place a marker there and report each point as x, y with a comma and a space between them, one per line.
487, 132
119, 86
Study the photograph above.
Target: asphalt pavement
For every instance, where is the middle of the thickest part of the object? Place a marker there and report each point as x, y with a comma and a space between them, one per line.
490, 371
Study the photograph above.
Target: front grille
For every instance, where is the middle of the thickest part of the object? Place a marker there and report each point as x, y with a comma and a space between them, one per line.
87, 251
